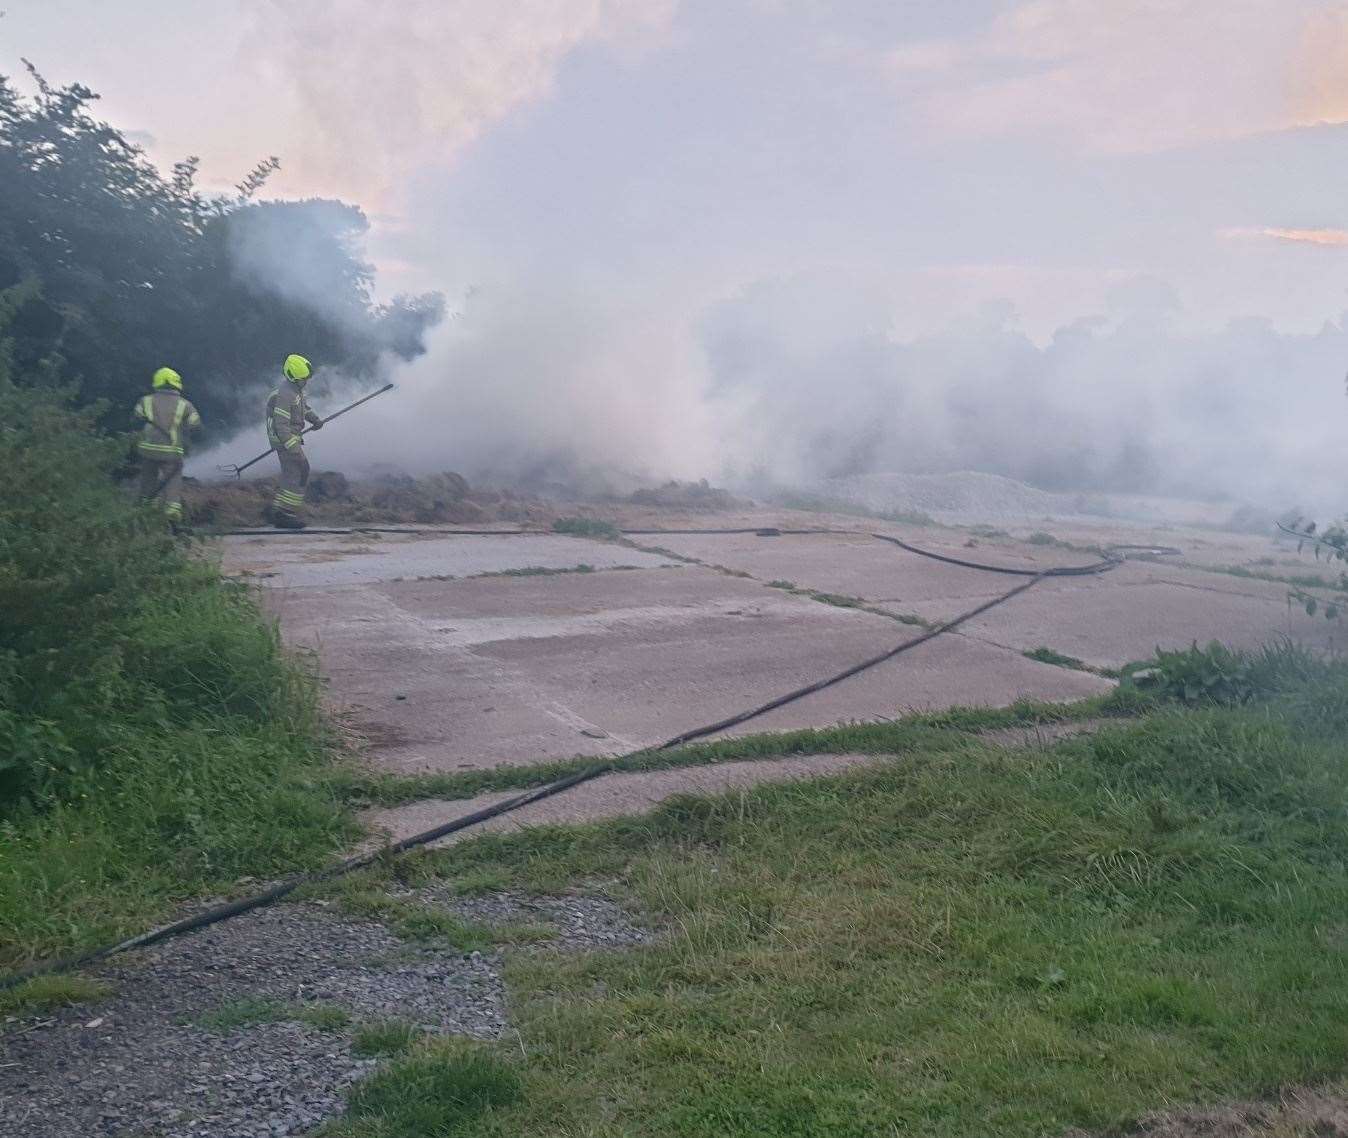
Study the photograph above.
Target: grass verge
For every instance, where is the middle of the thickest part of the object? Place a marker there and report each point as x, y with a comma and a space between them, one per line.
542, 571
965, 943
53, 992
439, 1090
933, 730
387, 1037
1047, 655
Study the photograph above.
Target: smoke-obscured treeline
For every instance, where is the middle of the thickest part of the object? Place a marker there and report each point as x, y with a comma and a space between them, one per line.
1126, 400
110, 269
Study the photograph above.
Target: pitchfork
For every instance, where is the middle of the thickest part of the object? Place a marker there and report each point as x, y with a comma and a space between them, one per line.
237, 471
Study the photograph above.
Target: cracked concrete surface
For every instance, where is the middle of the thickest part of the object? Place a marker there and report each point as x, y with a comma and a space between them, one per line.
325, 560
449, 674
444, 669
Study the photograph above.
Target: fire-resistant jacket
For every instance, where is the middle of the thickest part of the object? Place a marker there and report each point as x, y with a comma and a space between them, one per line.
287, 413
167, 417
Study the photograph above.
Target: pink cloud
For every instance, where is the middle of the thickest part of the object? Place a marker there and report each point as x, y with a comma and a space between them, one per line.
1329, 237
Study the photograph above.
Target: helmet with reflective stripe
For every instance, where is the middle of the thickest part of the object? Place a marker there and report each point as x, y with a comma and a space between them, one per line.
167, 377
297, 369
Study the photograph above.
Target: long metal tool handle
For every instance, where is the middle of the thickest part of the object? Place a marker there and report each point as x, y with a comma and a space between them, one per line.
351, 406
238, 470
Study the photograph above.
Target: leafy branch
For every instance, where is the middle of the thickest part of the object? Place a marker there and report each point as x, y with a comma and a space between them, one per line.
1333, 542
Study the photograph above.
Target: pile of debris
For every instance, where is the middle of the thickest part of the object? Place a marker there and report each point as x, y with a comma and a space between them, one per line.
444, 498
688, 496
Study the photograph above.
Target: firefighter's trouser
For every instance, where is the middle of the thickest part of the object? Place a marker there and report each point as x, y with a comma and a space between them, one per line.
289, 500
161, 478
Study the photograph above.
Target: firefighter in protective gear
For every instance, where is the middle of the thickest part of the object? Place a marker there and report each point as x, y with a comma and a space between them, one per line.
168, 420
287, 412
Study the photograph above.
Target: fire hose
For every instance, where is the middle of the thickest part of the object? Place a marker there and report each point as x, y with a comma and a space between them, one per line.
1113, 556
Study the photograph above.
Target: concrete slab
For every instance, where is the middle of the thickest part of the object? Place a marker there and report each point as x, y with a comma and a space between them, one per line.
520, 669
1114, 619
905, 584
449, 671
650, 655
319, 560
1203, 547
610, 796
860, 566
1098, 619
619, 598
949, 671
421, 701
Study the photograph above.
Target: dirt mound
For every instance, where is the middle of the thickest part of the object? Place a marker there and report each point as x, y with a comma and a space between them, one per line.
329, 486
688, 496
968, 493
445, 498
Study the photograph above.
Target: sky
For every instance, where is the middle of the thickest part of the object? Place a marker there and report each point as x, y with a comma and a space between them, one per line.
662, 221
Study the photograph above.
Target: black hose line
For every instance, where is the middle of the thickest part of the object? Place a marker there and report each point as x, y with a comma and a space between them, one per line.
453, 531
820, 685
283, 889
1063, 571
328, 531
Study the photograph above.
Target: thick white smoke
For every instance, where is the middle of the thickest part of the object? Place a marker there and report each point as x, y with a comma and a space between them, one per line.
1123, 400
650, 245
793, 382
549, 385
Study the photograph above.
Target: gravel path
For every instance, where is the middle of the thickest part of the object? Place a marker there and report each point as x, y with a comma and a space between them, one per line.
142, 1065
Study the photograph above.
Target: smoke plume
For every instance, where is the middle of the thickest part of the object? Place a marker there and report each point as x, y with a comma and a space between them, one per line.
732, 254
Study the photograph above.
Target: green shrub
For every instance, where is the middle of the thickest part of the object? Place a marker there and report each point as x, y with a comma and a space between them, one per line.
111, 627
586, 527
155, 740
1220, 675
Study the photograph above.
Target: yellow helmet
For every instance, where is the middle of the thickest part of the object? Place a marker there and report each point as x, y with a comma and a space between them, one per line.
297, 369
167, 377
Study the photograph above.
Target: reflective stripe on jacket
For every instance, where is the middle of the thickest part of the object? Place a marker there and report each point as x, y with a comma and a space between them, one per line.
165, 415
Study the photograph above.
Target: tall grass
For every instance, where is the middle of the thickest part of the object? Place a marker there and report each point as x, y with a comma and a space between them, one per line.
966, 941
155, 740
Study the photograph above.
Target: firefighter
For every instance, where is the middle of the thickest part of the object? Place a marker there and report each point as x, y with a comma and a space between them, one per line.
287, 412
168, 420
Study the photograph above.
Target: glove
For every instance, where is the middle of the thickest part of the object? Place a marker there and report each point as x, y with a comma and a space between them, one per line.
316, 425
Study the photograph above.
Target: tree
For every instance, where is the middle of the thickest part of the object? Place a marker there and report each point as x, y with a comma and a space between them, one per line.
129, 269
